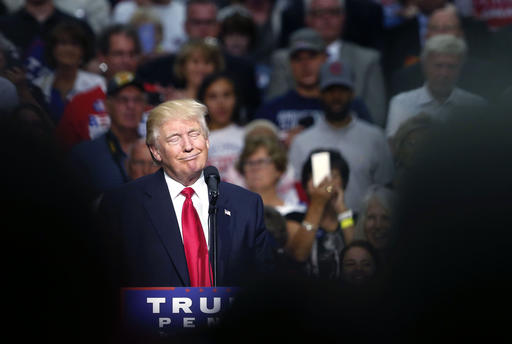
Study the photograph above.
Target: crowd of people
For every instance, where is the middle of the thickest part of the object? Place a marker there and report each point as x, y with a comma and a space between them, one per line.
365, 81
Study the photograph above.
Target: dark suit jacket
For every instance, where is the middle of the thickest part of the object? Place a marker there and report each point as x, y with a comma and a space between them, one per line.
363, 23
144, 244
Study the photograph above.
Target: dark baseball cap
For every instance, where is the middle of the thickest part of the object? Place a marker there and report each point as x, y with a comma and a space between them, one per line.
121, 80
336, 72
306, 39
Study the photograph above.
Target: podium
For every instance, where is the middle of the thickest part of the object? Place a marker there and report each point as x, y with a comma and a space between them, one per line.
166, 311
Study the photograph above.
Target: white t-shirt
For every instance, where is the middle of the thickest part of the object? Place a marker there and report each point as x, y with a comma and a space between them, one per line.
225, 147
362, 145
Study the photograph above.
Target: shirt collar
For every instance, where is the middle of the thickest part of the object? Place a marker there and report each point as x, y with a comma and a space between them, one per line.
426, 97
333, 50
175, 187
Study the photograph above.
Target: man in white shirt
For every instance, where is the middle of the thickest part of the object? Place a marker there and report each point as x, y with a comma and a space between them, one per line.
442, 58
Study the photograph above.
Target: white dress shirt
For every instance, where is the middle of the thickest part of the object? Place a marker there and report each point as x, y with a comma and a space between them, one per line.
199, 199
333, 50
411, 103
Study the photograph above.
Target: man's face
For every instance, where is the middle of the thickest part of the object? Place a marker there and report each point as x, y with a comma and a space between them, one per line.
305, 65
126, 108
327, 18
358, 266
121, 55
336, 100
441, 72
443, 22
202, 21
182, 149
140, 162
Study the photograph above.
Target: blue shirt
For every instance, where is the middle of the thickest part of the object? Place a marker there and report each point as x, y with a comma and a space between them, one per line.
288, 110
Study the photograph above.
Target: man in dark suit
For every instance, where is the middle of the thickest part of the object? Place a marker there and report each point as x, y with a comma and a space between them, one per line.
363, 24
145, 220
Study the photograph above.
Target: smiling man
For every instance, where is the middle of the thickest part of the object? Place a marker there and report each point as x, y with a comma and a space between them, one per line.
159, 223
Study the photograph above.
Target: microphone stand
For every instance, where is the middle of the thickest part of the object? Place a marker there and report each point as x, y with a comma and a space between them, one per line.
212, 225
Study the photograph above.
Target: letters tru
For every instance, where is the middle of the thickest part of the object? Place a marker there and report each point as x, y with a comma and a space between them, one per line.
183, 305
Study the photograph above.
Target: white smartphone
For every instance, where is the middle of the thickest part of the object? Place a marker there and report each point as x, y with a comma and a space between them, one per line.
321, 167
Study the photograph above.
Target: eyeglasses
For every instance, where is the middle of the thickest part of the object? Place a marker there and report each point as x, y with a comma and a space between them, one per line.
258, 163
328, 11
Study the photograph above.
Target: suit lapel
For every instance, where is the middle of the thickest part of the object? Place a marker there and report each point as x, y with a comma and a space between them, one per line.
159, 206
224, 222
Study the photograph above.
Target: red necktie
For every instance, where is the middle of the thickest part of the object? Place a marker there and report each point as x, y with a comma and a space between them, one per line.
196, 250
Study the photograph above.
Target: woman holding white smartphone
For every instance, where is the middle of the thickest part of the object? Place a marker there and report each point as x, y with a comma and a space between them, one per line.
317, 236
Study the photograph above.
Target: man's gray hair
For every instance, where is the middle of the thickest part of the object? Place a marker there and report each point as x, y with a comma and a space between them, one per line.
444, 44
182, 109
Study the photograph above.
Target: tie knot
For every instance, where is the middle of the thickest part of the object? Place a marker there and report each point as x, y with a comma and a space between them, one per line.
187, 192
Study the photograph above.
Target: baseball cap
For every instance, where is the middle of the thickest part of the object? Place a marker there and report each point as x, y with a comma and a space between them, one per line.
306, 39
336, 73
121, 80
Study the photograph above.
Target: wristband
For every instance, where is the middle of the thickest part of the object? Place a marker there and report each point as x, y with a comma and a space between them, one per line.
346, 219
308, 226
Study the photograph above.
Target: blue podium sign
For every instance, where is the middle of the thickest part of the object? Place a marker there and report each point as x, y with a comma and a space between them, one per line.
161, 311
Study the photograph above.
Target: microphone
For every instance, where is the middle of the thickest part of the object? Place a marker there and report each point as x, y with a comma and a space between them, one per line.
212, 179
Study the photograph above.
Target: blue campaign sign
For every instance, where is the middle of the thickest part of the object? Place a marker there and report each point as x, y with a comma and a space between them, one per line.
167, 310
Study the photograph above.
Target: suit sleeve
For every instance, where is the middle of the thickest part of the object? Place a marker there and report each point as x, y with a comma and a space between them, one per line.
280, 78
383, 174
264, 244
395, 117
375, 93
